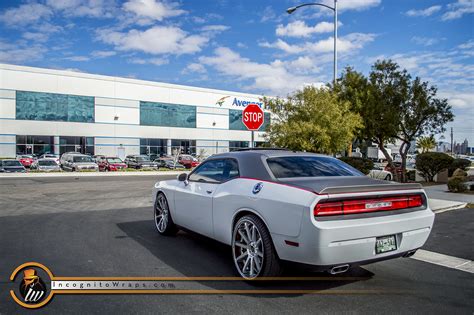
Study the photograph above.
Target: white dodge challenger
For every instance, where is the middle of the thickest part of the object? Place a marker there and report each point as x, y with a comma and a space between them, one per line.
277, 205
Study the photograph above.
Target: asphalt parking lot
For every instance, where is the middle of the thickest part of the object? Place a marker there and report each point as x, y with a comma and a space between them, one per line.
103, 226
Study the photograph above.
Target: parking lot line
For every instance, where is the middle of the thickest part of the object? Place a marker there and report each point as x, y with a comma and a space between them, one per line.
444, 260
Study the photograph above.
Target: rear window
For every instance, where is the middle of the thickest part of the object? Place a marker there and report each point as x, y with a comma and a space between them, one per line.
11, 163
82, 159
114, 160
47, 163
309, 166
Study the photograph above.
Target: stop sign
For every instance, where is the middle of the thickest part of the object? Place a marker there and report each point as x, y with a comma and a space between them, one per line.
253, 117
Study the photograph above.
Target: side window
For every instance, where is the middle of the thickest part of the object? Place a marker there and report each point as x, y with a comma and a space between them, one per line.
216, 171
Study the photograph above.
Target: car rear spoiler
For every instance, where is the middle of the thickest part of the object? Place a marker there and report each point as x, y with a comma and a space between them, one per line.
369, 188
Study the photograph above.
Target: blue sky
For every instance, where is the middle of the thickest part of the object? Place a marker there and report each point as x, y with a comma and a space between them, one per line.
251, 46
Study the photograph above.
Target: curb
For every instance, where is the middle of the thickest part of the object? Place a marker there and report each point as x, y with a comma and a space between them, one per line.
454, 207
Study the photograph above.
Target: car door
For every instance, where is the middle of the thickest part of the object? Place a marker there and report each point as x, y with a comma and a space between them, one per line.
193, 198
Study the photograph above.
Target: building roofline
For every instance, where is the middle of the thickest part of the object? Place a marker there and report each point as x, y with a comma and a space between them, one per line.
69, 73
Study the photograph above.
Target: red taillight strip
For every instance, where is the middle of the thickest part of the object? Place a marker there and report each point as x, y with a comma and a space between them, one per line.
327, 208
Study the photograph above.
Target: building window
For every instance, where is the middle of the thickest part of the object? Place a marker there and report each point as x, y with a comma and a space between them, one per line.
235, 120
167, 115
236, 145
183, 146
153, 147
36, 145
76, 144
54, 107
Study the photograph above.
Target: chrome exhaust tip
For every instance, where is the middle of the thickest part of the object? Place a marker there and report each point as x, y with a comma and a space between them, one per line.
339, 269
409, 253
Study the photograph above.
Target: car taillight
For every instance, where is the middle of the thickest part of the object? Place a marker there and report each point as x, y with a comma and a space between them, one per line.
326, 208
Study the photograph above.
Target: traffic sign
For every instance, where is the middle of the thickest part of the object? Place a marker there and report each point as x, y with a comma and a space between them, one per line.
253, 117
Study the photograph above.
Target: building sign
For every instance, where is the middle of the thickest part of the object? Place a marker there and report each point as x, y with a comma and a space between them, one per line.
243, 103
236, 102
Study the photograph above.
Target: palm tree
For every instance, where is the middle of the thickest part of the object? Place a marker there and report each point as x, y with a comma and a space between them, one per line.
426, 143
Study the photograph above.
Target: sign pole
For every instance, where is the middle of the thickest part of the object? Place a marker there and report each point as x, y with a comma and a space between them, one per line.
252, 139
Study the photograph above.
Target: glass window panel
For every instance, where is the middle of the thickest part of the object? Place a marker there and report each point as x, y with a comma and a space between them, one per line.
167, 115
54, 107
21, 139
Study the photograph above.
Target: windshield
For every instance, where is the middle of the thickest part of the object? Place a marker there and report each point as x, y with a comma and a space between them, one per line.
11, 163
309, 166
47, 163
49, 156
82, 159
143, 158
114, 160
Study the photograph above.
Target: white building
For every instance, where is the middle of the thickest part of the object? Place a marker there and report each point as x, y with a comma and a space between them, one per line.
55, 111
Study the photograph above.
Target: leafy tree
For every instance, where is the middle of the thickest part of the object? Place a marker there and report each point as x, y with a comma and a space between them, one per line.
363, 165
426, 143
393, 106
431, 163
462, 164
312, 119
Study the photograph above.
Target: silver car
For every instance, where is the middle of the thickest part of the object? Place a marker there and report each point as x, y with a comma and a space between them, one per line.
277, 205
77, 162
46, 165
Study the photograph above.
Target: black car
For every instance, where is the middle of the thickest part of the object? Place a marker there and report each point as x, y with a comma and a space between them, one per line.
168, 162
139, 161
11, 166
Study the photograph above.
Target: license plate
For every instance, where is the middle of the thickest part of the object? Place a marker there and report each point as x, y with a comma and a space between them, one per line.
385, 244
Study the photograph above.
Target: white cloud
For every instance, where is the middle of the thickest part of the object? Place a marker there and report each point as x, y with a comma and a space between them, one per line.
194, 68
77, 58
424, 12
153, 61
215, 28
152, 9
103, 53
87, 8
300, 29
345, 44
458, 9
459, 99
268, 14
20, 53
273, 77
156, 40
425, 41
25, 14
467, 45
357, 5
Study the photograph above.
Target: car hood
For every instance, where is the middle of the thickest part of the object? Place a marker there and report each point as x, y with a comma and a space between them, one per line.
342, 184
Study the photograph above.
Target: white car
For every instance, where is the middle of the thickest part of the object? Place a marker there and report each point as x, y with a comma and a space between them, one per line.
378, 172
277, 205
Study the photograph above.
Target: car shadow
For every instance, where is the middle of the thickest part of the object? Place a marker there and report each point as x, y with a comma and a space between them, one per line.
193, 255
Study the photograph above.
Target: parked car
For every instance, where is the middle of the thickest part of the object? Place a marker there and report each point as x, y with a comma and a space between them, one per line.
139, 161
110, 163
50, 156
11, 166
188, 161
26, 160
46, 165
173, 166
97, 157
77, 162
277, 205
378, 172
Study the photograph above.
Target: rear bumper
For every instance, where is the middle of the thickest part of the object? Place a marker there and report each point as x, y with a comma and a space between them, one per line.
351, 241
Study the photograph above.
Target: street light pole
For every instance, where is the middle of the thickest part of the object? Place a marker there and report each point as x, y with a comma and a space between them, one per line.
334, 9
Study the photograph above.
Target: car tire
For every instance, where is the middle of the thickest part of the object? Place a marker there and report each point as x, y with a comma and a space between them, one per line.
388, 177
255, 256
162, 216
73, 169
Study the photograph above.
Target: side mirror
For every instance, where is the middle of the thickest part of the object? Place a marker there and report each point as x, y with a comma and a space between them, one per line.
183, 177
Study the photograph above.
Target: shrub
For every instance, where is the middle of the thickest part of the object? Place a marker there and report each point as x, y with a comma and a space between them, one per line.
363, 165
458, 163
460, 173
456, 184
431, 163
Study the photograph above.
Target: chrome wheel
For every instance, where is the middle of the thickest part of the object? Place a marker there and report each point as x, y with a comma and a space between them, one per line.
161, 213
248, 249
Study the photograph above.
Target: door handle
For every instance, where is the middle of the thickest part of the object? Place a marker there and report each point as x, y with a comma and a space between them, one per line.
209, 191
